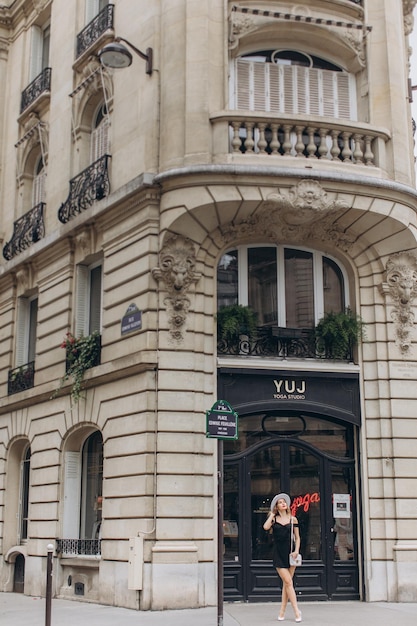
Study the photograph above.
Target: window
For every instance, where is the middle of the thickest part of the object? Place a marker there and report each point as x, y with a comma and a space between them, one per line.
287, 81
27, 318
285, 286
83, 489
89, 299
24, 496
39, 57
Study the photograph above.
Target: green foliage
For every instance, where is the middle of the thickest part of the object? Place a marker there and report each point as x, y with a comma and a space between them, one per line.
82, 353
338, 333
236, 320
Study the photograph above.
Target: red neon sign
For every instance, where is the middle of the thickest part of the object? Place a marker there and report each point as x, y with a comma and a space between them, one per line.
304, 501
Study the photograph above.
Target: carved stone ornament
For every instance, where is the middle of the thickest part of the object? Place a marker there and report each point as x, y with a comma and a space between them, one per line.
408, 7
176, 269
401, 285
304, 214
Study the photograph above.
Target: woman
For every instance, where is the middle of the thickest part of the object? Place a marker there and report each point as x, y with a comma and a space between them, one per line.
279, 520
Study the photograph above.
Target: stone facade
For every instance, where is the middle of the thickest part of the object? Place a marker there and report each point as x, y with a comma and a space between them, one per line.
186, 175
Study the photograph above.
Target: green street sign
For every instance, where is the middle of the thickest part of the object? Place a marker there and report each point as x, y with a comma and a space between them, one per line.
221, 421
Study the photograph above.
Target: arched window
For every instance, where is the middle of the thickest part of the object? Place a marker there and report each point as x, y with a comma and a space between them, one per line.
24, 495
83, 483
292, 82
286, 286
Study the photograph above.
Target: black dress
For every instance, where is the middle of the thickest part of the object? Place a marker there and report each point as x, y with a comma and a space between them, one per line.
282, 544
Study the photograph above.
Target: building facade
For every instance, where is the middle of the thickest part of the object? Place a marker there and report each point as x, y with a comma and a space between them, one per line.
188, 229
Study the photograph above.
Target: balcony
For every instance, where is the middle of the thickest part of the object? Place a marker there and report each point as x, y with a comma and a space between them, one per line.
94, 29
282, 343
41, 84
27, 230
78, 547
280, 138
21, 378
91, 185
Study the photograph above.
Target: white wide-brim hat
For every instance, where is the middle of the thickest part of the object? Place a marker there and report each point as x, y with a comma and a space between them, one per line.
280, 496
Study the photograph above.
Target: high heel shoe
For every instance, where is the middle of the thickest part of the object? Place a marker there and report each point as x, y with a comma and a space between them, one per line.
299, 619
280, 619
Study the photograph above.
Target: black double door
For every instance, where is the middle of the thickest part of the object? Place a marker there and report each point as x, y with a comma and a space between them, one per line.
323, 493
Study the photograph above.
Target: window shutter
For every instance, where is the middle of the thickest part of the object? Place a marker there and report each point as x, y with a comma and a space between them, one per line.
260, 72
22, 336
100, 140
242, 84
36, 52
329, 80
344, 92
72, 495
312, 76
81, 309
91, 10
38, 188
292, 89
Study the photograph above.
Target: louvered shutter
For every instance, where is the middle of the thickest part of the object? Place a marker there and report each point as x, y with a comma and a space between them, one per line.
91, 10
22, 336
72, 496
344, 92
292, 89
82, 303
242, 92
38, 188
100, 140
36, 52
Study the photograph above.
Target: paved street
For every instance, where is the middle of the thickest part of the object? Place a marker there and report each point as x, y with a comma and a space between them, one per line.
20, 610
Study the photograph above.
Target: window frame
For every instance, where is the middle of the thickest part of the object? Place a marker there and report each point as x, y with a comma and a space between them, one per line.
83, 307
318, 287
26, 335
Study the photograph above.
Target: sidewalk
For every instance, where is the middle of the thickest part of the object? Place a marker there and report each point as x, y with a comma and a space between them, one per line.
19, 610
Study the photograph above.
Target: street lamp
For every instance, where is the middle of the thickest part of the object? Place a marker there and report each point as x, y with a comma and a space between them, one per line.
116, 55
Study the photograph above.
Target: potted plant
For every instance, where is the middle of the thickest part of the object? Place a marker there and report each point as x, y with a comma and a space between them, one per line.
336, 334
234, 323
82, 353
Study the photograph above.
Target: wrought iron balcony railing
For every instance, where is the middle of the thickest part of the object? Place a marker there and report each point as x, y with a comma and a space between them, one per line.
94, 29
39, 85
284, 343
27, 230
77, 547
91, 185
21, 378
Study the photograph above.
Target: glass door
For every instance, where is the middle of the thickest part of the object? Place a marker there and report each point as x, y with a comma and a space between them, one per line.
322, 492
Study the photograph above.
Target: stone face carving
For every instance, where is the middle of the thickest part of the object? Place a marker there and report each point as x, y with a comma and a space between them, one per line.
401, 285
304, 214
176, 270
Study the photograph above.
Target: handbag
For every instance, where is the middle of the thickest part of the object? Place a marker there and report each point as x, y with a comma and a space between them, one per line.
298, 561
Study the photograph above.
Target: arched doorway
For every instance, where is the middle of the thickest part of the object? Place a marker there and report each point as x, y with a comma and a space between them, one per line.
312, 458
19, 574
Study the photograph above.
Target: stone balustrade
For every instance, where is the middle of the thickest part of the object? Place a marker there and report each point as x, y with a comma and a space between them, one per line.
256, 134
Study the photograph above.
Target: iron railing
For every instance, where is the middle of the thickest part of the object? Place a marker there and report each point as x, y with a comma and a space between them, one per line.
21, 378
39, 85
284, 343
77, 547
91, 185
27, 230
94, 29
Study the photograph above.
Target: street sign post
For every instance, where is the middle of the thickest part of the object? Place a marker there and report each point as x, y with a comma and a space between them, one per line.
221, 424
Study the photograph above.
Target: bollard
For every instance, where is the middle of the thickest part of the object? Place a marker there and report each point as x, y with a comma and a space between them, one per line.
48, 595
